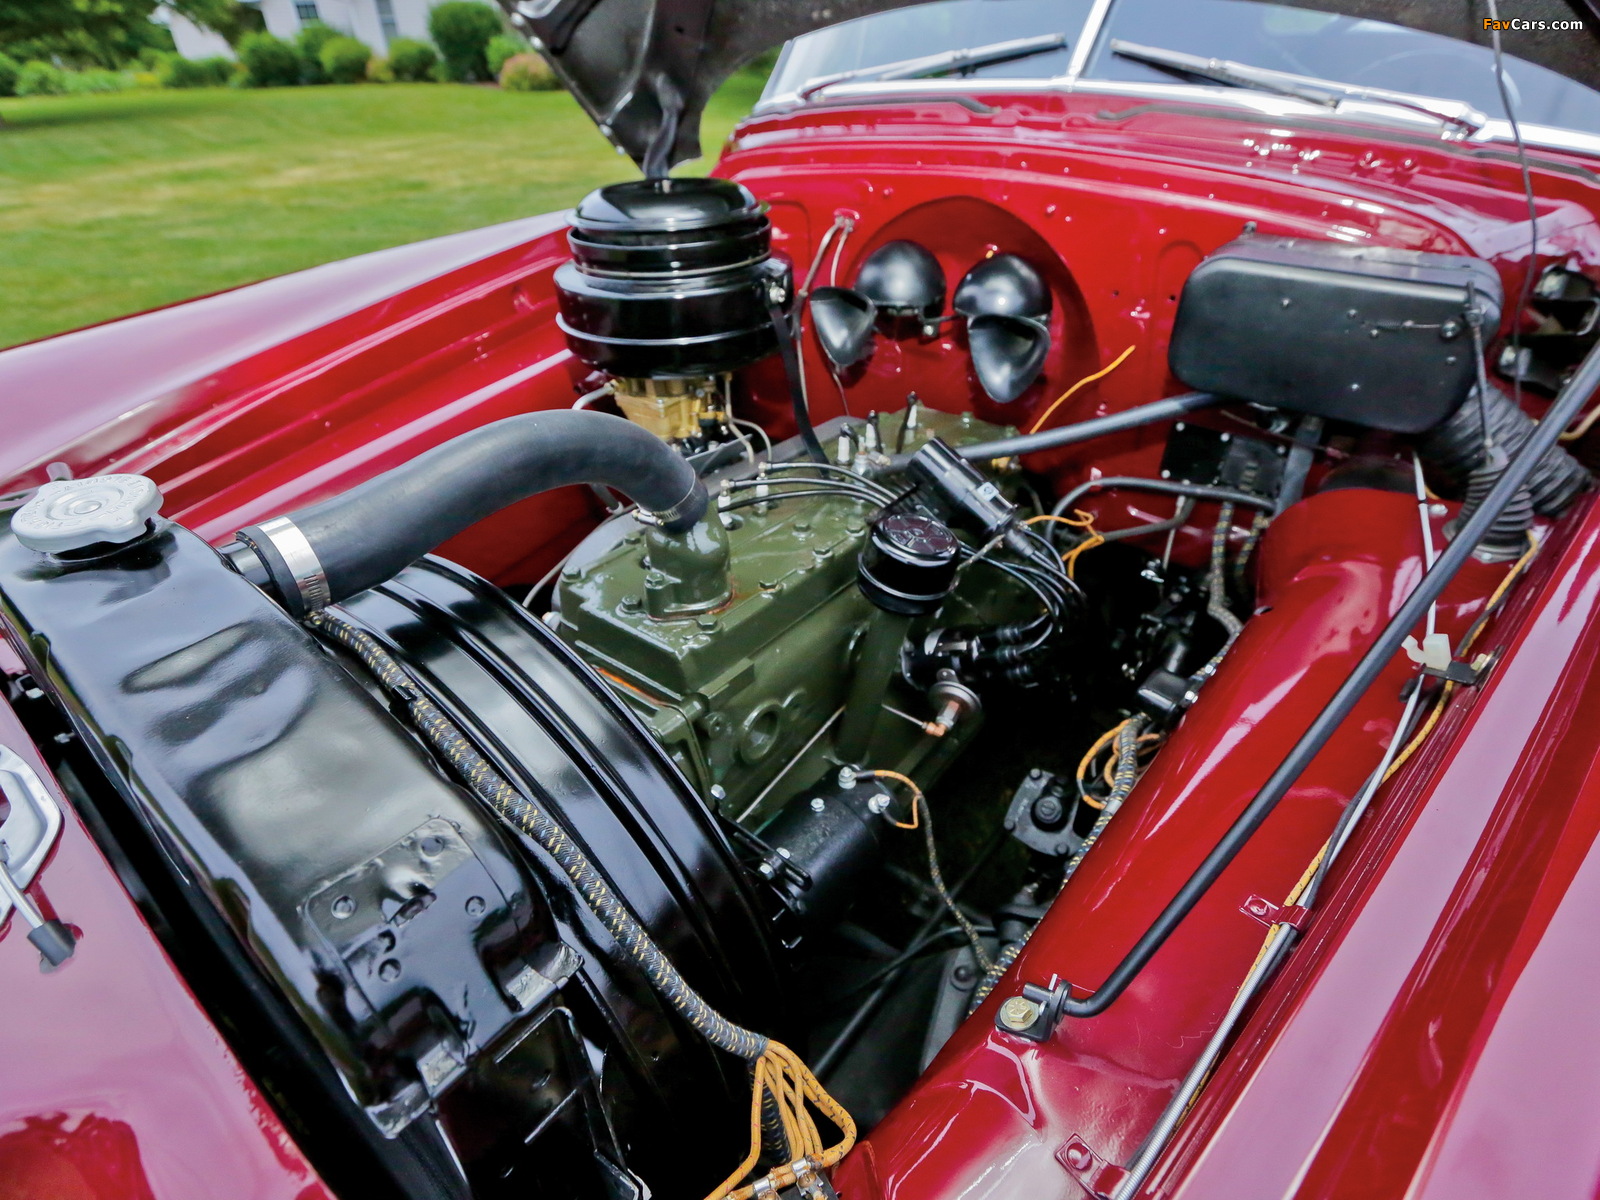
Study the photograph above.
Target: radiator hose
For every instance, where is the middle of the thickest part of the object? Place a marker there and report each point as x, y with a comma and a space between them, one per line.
1458, 448
331, 550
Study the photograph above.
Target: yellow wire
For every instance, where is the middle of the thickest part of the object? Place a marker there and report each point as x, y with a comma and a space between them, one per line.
1495, 597
1084, 521
1100, 743
1084, 382
1583, 426
916, 797
780, 1074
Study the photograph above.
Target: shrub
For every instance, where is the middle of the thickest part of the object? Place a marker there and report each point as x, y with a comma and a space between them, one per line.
178, 72
412, 61
462, 29
313, 36
10, 68
41, 79
344, 60
379, 70
501, 47
527, 73
97, 81
268, 61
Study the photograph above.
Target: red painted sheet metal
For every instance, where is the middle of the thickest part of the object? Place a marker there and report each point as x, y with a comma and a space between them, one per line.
116, 1085
1437, 1035
993, 1111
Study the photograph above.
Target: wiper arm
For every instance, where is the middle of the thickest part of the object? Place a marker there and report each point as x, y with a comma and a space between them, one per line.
1326, 92
947, 60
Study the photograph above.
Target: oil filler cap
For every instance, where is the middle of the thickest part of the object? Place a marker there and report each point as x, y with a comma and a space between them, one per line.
74, 514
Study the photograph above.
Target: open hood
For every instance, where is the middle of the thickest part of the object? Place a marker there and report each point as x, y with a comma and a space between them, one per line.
643, 69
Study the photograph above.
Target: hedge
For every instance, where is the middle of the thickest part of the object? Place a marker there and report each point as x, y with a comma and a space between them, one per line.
268, 61
412, 61
345, 59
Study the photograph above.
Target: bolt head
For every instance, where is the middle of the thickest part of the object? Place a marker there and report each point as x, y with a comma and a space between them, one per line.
818, 804
1019, 1013
847, 777
1079, 1158
878, 804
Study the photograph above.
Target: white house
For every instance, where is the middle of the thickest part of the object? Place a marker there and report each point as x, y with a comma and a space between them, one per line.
375, 22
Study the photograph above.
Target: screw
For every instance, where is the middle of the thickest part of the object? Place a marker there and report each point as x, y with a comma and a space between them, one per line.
878, 804
1019, 1013
1078, 1157
964, 973
475, 906
818, 804
718, 792
847, 777
389, 970
1438, 510
344, 907
1047, 811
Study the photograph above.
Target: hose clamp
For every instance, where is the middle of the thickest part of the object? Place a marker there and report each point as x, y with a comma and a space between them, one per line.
310, 580
685, 511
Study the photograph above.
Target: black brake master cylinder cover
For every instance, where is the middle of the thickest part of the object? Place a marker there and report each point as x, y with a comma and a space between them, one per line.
908, 563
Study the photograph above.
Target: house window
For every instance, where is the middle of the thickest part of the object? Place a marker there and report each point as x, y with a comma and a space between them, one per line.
306, 10
386, 18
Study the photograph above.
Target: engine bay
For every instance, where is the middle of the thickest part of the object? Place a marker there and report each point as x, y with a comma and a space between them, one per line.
850, 740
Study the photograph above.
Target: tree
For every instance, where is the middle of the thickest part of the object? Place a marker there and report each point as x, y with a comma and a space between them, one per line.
103, 32
462, 29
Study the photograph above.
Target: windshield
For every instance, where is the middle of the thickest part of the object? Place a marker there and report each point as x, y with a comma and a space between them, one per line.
1348, 50
928, 29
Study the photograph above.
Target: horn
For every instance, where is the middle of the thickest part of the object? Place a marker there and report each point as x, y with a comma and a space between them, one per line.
1008, 352
843, 320
1004, 285
903, 280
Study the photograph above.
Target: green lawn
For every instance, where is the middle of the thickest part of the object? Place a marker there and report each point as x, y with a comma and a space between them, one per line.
113, 204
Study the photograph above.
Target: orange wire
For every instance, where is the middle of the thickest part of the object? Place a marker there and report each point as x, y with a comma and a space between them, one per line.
1084, 382
1085, 522
916, 797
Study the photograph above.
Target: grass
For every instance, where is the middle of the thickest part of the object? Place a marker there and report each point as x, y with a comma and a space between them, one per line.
114, 204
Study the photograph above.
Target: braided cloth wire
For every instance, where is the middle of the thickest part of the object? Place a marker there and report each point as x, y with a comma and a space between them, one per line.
782, 1081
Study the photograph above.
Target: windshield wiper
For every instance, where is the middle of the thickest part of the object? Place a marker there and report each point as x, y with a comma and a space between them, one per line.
938, 64
1326, 92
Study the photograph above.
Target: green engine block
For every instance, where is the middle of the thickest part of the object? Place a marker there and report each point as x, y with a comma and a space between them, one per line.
749, 698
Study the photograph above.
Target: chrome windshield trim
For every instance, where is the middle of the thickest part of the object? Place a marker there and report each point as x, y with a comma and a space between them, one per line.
1372, 113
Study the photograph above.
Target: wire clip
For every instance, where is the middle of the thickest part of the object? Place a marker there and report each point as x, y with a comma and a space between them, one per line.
1099, 1178
1293, 915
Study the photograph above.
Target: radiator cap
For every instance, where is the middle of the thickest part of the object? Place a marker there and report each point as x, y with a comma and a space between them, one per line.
74, 514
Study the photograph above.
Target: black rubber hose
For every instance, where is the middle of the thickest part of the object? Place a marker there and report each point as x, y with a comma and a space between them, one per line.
368, 534
1456, 448
1577, 393
789, 353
